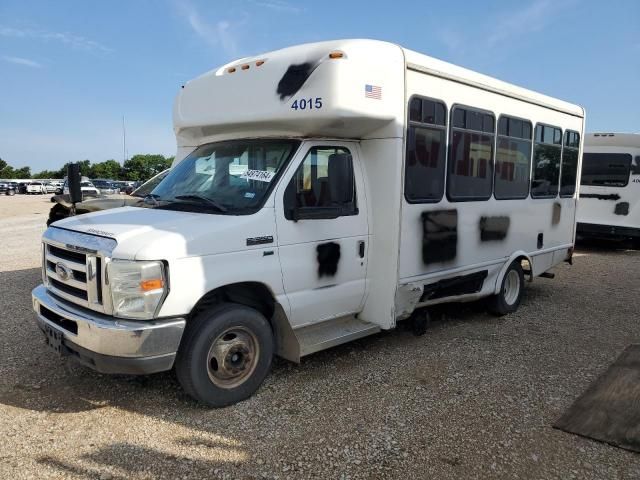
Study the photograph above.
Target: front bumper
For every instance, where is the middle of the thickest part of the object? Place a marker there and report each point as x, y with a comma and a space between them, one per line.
108, 344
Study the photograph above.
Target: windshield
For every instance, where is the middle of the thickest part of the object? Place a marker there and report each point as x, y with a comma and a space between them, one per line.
146, 188
231, 177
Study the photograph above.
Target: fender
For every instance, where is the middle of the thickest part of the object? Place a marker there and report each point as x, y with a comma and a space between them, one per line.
503, 270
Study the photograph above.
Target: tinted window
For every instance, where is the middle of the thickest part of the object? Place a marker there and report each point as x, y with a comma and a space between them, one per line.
513, 159
569, 169
470, 174
425, 159
321, 180
546, 162
606, 169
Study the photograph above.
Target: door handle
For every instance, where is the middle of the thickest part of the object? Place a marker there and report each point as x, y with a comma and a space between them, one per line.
361, 248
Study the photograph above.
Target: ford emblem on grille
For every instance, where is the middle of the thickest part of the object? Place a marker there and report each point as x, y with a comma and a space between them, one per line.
62, 271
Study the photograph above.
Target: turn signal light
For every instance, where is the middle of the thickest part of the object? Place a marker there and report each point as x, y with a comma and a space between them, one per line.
154, 284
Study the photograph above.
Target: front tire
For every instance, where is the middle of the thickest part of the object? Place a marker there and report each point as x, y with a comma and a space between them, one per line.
510, 295
225, 354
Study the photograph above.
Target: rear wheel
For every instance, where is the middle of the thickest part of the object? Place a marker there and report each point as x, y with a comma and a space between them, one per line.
11, 193
508, 299
225, 354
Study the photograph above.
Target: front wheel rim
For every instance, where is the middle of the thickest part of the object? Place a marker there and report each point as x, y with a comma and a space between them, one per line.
511, 288
233, 357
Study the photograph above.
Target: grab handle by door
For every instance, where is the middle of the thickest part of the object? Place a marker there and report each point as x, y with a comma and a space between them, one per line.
361, 248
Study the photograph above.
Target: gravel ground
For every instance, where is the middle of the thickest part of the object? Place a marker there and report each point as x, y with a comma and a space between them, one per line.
473, 398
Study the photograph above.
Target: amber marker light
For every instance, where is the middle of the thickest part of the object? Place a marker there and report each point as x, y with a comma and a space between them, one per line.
336, 54
259, 63
231, 70
245, 66
154, 284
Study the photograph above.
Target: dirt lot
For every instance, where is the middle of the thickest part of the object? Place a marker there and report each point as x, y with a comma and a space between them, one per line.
473, 398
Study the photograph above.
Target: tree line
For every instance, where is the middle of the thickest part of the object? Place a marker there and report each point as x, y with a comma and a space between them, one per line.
138, 167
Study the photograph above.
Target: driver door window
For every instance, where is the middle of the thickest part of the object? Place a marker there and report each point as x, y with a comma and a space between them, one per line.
323, 186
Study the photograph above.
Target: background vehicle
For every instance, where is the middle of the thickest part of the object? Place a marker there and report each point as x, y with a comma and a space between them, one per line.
8, 188
366, 183
50, 187
86, 186
36, 188
609, 204
105, 187
62, 209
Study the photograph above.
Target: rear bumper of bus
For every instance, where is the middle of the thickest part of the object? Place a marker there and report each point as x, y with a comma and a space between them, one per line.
595, 230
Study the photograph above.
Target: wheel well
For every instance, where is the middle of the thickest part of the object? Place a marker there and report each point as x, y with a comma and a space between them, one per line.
252, 294
526, 265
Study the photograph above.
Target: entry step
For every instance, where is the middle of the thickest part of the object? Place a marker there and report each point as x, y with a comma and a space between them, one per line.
330, 333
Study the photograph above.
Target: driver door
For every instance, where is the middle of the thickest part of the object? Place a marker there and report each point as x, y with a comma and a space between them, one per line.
321, 216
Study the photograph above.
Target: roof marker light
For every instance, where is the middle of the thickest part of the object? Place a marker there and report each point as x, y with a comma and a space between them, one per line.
259, 63
336, 54
245, 66
231, 70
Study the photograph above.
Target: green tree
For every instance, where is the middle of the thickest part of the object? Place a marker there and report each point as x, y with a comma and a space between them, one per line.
24, 172
143, 167
107, 169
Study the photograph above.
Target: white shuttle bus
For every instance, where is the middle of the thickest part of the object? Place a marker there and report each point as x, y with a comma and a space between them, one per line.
609, 204
321, 193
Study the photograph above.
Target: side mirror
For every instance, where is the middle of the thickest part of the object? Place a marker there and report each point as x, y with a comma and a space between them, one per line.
73, 181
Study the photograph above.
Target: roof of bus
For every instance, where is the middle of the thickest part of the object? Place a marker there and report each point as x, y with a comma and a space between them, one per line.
419, 62
612, 139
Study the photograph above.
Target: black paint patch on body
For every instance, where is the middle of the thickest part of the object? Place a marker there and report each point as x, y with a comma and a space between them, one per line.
450, 287
556, 213
612, 196
439, 236
494, 228
294, 78
328, 255
622, 208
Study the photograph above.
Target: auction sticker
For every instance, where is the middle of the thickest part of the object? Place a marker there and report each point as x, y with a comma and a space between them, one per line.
259, 175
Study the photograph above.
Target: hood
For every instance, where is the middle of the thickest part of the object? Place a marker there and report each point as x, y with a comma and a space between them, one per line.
154, 234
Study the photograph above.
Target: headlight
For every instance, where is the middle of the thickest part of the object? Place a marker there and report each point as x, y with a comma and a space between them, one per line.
137, 288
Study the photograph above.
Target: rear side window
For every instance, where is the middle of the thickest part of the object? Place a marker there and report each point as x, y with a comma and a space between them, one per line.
546, 161
513, 158
426, 150
470, 175
569, 168
606, 169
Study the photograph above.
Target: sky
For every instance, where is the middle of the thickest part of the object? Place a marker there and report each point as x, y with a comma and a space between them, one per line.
70, 70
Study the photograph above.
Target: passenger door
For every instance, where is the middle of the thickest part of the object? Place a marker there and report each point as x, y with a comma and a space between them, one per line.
323, 232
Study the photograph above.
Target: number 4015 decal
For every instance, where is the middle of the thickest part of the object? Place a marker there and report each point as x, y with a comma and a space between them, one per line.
307, 103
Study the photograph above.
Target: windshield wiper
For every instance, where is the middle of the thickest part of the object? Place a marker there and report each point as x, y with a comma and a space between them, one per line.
202, 199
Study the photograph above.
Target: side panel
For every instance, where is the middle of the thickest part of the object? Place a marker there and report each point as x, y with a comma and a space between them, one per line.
470, 236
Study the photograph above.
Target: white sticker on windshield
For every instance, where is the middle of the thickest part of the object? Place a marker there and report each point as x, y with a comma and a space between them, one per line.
259, 175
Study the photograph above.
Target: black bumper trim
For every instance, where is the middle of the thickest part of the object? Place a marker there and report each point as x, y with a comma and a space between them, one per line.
606, 231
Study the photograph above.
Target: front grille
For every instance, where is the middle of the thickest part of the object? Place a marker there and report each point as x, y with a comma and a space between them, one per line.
74, 275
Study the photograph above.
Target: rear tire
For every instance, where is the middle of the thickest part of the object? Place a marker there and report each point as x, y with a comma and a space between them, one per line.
508, 299
225, 354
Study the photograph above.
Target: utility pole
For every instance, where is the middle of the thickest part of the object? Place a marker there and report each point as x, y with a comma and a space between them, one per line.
124, 142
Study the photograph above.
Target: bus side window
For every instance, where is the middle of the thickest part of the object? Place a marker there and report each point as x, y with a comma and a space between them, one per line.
569, 166
426, 151
546, 162
513, 159
470, 171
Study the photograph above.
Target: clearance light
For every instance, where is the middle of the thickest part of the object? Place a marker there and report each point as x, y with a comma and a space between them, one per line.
245, 66
231, 70
336, 54
259, 63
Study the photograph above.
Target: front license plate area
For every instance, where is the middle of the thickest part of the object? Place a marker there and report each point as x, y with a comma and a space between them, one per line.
53, 339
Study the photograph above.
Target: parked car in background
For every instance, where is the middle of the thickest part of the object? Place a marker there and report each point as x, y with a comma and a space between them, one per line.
36, 188
86, 186
50, 187
62, 206
22, 187
105, 187
8, 188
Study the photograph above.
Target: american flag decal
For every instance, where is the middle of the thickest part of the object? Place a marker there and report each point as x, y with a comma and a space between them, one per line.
373, 91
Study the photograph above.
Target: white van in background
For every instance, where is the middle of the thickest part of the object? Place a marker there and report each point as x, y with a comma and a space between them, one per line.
321, 193
609, 204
